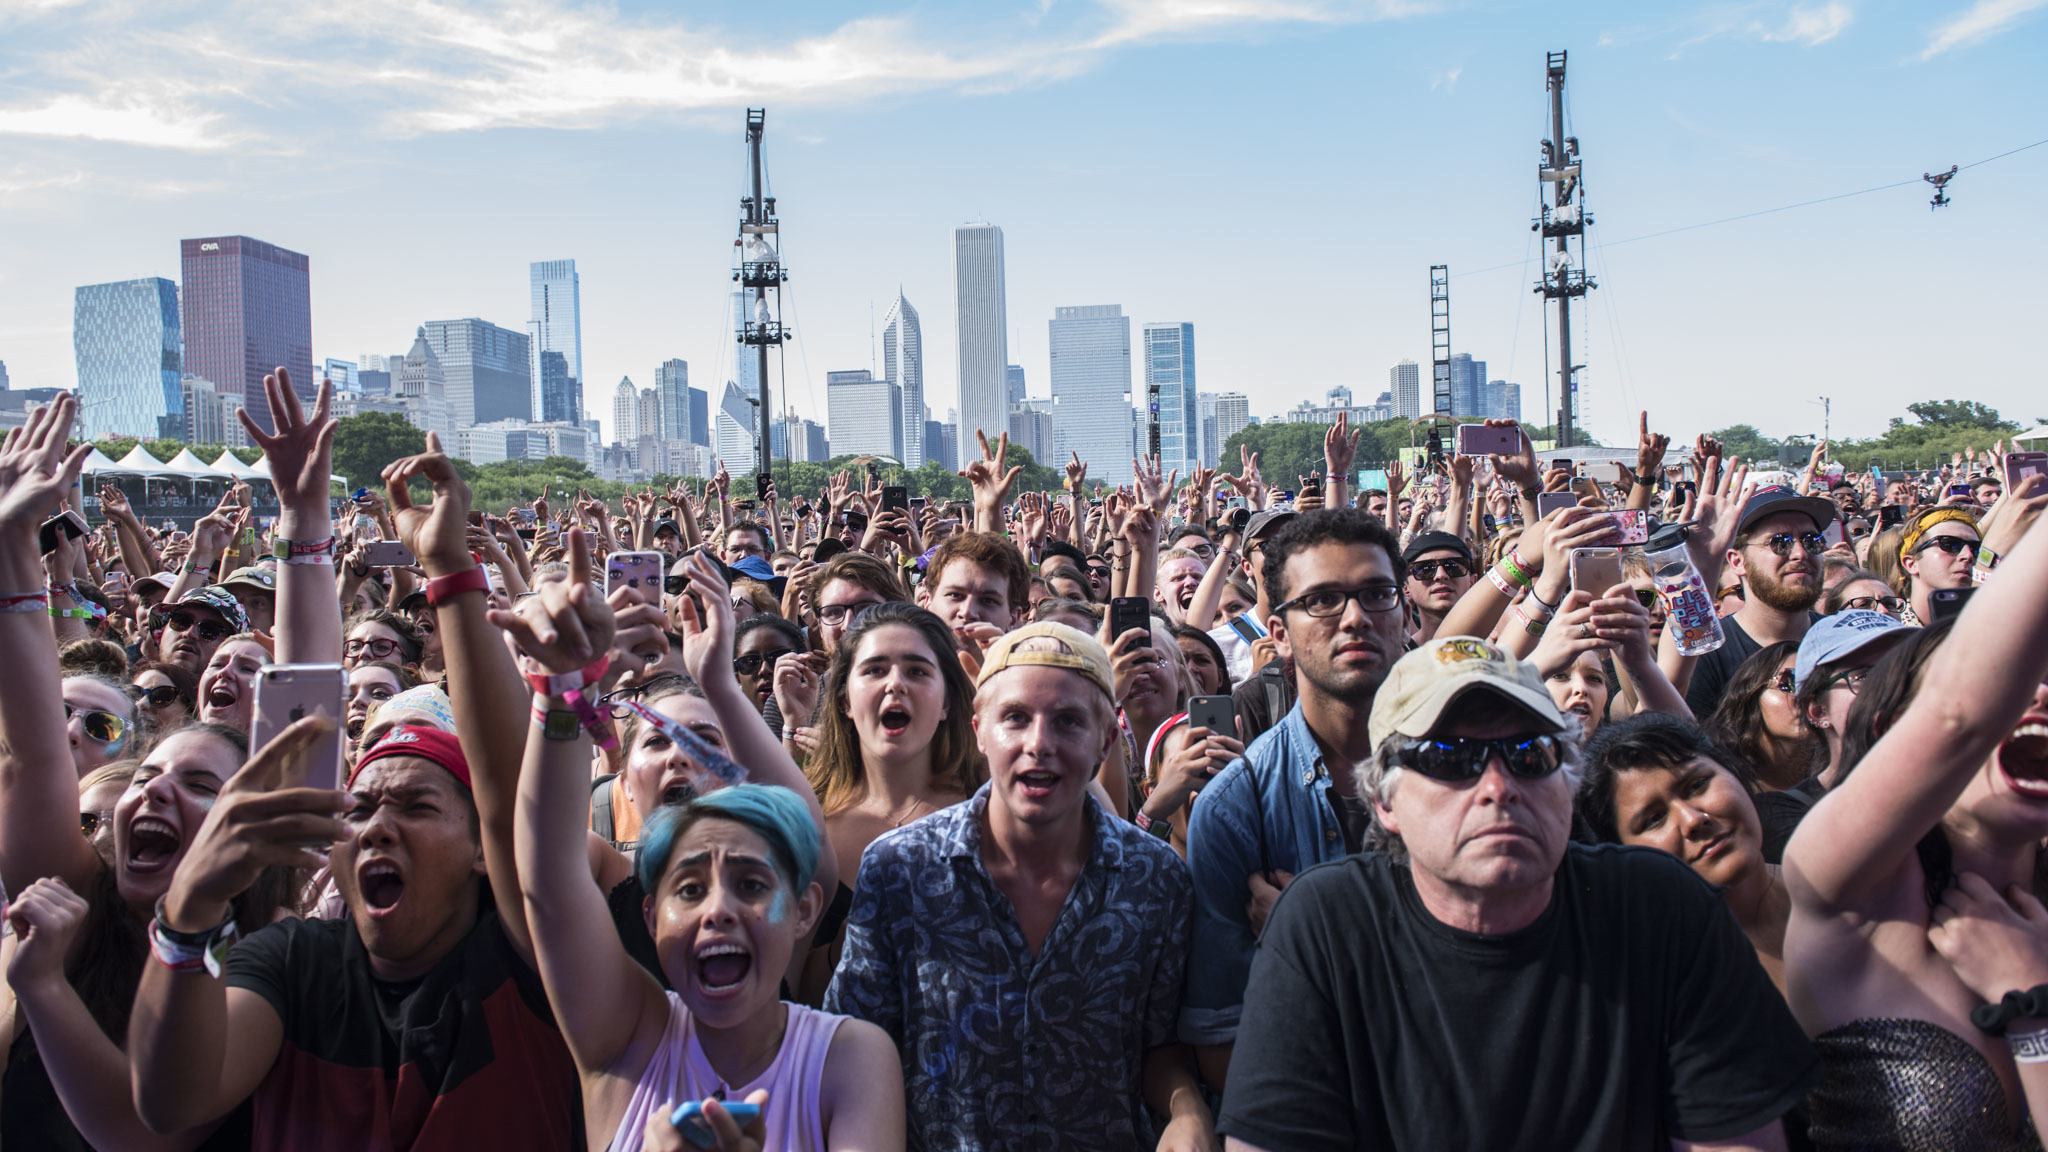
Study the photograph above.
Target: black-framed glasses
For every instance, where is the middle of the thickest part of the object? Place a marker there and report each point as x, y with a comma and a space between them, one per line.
1425, 571
1850, 678
615, 700
675, 585
100, 724
1890, 605
1953, 545
1459, 759
161, 696
837, 614
206, 630
750, 664
1324, 603
1781, 542
379, 648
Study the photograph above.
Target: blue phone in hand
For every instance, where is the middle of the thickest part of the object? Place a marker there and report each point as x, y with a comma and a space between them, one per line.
689, 1120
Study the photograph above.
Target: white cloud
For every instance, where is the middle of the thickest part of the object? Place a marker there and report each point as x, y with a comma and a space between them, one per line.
1447, 80
1811, 26
115, 117
1985, 19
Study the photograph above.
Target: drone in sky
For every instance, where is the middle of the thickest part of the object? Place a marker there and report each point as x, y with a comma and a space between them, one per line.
1940, 182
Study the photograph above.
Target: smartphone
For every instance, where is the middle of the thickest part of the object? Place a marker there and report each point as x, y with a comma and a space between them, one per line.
1633, 524
1835, 532
1890, 516
640, 571
2020, 465
895, 498
1479, 440
361, 494
1563, 462
689, 1120
1548, 502
1128, 612
1682, 491
1595, 570
388, 554
762, 482
522, 517
289, 692
1604, 471
70, 523
1312, 484
1961, 491
1216, 713
1948, 602
1246, 628
476, 518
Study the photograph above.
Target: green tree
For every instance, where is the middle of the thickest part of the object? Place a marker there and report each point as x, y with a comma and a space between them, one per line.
1745, 441
1960, 414
115, 447
364, 444
163, 449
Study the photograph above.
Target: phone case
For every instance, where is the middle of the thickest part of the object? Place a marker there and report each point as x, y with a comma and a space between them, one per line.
1548, 502
1216, 713
689, 1120
640, 571
387, 554
896, 498
1633, 524
1126, 613
1479, 440
286, 693
1595, 570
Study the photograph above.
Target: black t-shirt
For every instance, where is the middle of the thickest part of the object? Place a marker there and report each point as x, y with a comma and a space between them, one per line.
1781, 812
1711, 673
1633, 1012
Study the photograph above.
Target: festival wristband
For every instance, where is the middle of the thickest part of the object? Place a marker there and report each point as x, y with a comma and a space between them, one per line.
1160, 828
188, 951
575, 687
2029, 1047
303, 551
1506, 586
693, 745
71, 614
26, 602
442, 589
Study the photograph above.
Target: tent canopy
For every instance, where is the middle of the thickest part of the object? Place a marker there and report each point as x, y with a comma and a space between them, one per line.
2034, 436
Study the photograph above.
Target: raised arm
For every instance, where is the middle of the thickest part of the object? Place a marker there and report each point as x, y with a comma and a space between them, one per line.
301, 457
605, 1003
482, 680
136, 551
39, 818
1340, 453
1976, 687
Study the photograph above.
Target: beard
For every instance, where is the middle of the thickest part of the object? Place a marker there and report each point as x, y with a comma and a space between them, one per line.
1782, 596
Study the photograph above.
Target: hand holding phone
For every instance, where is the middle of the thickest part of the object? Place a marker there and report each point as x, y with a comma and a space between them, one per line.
1595, 570
1127, 613
696, 1127
286, 693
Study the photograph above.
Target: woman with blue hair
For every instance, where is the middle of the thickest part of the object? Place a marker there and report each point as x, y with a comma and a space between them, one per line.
730, 883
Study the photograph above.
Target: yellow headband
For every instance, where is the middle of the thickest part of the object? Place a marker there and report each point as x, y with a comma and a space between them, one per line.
1929, 520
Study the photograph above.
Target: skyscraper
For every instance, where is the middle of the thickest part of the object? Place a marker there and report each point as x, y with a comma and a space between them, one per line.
903, 366
738, 439
422, 387
1170, 364
556, 326
1031, 429
865, 414
125, 338
489, 370
343, 373
1013, 377
246, 309
1233, 412
626, 413
746, 363
672, 381
1404, 380
1468, 385
1091, 389
1503, 400
984, 323
700, 417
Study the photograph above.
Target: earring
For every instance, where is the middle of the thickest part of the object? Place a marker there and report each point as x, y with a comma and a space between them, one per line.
1822, 723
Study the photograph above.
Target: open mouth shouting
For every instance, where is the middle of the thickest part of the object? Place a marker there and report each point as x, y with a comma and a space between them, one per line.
895, 720
382, 885
2023, 759
722, 965
1038, 783
152, 844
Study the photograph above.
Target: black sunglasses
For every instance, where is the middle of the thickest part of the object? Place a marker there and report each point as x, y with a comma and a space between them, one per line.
161, 696
751, 663
675, 585
207, 630
1464, 758
1425, 571
1953, 545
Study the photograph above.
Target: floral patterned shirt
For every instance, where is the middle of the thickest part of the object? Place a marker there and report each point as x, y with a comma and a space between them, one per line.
1003, 1049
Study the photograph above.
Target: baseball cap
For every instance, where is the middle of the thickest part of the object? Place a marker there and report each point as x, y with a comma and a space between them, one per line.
1842, 635
1425, 682
757, 569
413, 599
1427, 542
666, 525
1778, 498
253, 577
1077, 652
1263, 523
220, 600
429, 744
163, 580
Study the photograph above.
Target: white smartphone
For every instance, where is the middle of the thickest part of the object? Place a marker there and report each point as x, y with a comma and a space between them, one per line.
286, 693
388, 554
1595, 570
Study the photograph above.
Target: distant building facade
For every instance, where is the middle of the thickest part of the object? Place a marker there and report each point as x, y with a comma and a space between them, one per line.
983, 317
126, 339
246, 309
1170, 367
1091, 388
865, 414
555, 326
488, 370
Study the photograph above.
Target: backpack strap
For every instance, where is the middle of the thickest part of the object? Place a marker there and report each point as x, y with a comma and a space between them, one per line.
601, 820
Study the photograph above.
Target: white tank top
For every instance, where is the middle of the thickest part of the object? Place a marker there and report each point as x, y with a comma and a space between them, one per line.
679, 1073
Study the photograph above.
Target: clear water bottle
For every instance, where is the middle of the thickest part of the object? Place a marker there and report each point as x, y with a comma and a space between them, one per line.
1695, 625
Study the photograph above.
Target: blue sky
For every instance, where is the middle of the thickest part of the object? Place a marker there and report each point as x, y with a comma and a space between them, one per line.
1281, 173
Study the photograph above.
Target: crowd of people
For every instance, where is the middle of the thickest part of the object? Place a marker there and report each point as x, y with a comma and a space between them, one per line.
1182, 815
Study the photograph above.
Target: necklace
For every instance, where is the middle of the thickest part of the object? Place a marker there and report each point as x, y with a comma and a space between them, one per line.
908, 812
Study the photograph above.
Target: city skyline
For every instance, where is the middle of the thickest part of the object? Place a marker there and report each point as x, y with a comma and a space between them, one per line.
128, 128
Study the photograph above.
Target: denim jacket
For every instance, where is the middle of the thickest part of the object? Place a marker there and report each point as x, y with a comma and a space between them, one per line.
1269, 809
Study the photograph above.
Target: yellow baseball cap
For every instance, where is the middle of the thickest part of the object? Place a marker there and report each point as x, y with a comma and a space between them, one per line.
1425, 682
1061, 646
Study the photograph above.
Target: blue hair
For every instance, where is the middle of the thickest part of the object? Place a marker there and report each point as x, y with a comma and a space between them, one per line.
777, 814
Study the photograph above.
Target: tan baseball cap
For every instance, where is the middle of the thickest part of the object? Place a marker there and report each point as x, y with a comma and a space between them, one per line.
1072, 649
1422, 684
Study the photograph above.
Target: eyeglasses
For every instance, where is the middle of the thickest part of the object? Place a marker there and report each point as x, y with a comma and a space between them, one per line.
91, 822
1852, 679
1781, 542
617, 699
1464, 758
101, 725
676, 585
751, 663
1425, 571
161, 696
1783, 682
1888, 604
1953, 545
207, 630
1327, 602
836, 614
382, 648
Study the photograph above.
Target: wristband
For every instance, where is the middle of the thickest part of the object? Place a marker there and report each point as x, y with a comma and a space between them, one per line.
26, 602
71, 614
70, 590
2029, 1047
1506, 586
1548, 609
188, 951
1993, 1017
442, 589
1160, 828
572, 686
302, 551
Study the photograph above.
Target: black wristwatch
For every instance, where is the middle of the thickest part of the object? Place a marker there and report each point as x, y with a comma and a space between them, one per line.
561, 724
1993, 1018
190, 939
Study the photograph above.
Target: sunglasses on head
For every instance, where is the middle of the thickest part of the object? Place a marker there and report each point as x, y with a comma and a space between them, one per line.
751, 663
1781, 542
1425, 571
207, 630
1953, 545
161, 696
1459, 759
101, 725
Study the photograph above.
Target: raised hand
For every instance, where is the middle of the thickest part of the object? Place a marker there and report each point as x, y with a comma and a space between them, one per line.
46, 917
991, 483
114, 502
1340, 446
1650, 450
796, 684
721, 482
1155, 490
704, 616
1077, 474
1397, 480
567, 623
439, 533
300, 450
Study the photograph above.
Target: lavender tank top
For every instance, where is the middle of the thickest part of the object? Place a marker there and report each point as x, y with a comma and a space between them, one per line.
679, 1072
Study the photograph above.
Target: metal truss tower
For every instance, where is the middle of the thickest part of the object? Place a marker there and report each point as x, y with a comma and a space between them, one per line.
1440, 338
1564, 219
760, 273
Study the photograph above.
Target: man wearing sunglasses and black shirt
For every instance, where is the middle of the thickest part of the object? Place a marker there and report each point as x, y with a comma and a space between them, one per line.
1440, 569
195, 626
1776, 556
1480, 982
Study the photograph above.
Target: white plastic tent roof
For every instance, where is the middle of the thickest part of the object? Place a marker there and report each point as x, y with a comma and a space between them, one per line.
232, 465
97, 461
2040, 433
186, 464
140, 463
